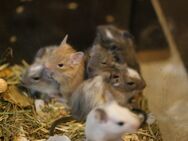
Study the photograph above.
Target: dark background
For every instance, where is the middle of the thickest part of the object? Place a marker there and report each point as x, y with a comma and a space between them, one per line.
27, 25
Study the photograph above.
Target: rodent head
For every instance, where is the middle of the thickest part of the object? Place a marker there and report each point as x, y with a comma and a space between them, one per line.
43, 53
98, 60
63, 62
114, 120
123, 78
113, 37
37, 79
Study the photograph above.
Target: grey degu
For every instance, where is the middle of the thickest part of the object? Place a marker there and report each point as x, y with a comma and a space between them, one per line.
98, 59
110, 121
36, 77
119, 42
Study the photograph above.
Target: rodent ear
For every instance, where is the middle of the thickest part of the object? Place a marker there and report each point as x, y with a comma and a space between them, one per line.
76, 58
64, 40
40, 53
101, 115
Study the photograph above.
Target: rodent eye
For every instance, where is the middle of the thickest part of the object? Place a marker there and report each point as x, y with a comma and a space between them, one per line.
104, 63
60, 65
121, 123
130, 83
115, 76
113, 47
117, 58
36, 78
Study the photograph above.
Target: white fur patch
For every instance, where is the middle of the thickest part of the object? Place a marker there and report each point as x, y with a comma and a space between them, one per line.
35, 68
116, 84
133, 73
109, 34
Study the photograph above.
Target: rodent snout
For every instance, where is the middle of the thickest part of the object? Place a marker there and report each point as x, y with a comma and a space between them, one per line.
143, 85
142, 116
47, 72
135, 125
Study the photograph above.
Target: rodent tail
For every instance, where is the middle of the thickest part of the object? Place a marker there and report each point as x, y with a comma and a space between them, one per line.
59, 121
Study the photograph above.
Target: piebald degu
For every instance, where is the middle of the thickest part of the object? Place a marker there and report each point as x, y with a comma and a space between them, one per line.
113, 84
119, 42
124, 79
90, 94
66, 66
110, 121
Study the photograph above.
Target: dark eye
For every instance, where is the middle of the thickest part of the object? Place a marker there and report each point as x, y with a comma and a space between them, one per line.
115, 76
117, 58
130, 83
36, 78
113, 47
121, 123
60, 65
104, 63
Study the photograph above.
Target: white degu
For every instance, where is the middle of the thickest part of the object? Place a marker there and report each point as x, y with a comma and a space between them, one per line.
109, 122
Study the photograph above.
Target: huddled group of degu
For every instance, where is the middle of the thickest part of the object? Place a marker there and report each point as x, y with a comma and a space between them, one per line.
100, 85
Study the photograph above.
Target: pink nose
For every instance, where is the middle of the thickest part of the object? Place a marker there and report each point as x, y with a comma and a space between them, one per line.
47, 70
135, 125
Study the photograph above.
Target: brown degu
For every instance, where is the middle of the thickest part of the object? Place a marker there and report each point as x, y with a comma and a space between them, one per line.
119, 42
66, 66
110, 121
